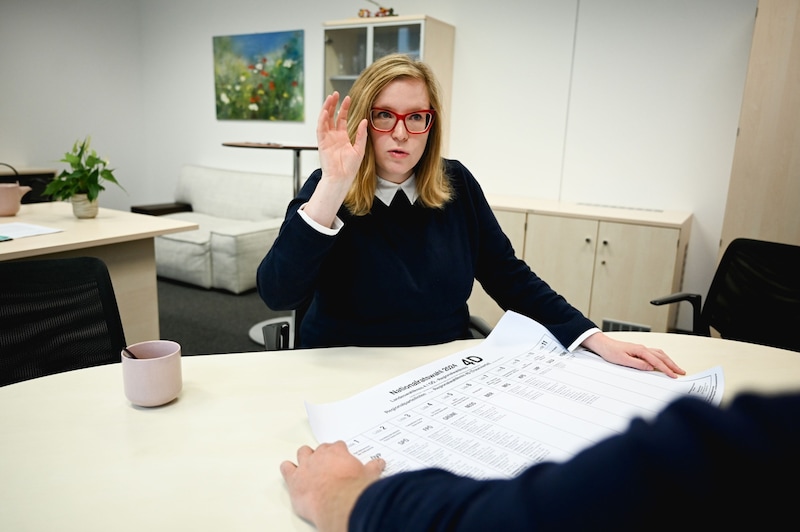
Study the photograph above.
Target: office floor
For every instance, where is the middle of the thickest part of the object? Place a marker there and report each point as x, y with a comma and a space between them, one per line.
209, 321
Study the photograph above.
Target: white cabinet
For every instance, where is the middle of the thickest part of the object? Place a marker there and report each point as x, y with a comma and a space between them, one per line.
352, 44
607, 262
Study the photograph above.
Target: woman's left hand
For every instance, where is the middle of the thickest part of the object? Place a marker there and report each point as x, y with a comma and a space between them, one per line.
632, 355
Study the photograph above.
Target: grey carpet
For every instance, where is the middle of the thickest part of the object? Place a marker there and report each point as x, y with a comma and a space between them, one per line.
209, 321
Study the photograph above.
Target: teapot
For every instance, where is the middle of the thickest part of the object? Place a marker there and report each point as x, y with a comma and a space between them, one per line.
10, 197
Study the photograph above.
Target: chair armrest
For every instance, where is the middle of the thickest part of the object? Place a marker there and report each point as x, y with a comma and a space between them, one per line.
479, 327
674, 298
160, 209
696, 300
276, 336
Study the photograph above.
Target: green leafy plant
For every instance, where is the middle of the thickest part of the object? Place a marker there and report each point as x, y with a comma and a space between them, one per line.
86, 174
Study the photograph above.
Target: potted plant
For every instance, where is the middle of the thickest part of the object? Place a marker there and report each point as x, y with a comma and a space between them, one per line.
83, 182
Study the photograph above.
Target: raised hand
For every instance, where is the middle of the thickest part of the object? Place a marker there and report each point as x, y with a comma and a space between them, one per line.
339, 159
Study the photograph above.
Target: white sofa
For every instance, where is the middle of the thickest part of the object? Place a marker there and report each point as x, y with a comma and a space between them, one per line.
239, 215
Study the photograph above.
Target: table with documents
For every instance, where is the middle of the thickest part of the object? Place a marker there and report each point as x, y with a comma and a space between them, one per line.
75, 455
490, 411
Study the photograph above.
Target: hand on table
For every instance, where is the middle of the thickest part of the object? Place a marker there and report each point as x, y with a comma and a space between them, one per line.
325, 483
632, 355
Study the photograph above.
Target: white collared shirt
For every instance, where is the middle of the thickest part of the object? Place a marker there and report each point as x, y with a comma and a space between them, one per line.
384, 191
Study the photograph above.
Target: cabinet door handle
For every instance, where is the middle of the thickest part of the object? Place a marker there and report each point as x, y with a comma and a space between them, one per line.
605, 242
588, 240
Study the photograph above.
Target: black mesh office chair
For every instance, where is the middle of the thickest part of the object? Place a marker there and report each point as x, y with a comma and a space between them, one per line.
56, 315
754, 296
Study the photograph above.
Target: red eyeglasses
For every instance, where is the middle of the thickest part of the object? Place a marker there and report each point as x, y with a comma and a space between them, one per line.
416, 122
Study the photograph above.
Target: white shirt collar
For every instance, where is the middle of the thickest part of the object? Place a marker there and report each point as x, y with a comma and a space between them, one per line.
385, 190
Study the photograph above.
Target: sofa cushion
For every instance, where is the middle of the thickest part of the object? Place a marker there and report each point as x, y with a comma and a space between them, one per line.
222, 253
234, 194
186, 256
237, 250
238, 214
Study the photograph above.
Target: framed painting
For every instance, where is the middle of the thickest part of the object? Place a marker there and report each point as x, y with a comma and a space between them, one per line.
259, 76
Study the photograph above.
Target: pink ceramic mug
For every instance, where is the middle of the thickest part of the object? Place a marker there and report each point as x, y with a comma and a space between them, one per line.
154, 377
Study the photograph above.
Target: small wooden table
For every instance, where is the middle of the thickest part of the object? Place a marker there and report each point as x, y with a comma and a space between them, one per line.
273, 146
124, 241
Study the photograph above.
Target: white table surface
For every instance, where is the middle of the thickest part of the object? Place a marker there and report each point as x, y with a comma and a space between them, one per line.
75, 455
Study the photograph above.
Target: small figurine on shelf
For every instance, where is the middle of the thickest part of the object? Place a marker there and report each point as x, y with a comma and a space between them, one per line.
382, 11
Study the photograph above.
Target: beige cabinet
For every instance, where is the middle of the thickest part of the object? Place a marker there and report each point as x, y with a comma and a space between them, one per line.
352, 44
607, 262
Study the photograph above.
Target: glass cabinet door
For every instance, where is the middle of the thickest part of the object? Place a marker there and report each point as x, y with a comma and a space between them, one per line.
345, 58
348, 51
404, 39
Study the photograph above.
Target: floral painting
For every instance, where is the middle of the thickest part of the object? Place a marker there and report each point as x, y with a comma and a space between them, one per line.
259, 76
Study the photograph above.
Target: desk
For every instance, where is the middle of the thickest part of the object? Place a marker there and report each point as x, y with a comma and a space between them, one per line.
123, 240
75, 455
273, 146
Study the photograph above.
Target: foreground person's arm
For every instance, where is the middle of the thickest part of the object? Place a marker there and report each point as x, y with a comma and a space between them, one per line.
326, 482
677, 469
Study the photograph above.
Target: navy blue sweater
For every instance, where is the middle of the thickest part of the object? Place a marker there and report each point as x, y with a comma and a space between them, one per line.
401, 275
695, 467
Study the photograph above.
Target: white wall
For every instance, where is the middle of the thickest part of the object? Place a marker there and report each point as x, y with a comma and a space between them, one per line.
67, 70
654, 109
623, 102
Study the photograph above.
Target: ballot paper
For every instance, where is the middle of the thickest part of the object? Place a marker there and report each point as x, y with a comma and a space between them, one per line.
491, 411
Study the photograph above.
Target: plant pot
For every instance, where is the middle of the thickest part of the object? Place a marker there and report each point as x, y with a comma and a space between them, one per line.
82, 207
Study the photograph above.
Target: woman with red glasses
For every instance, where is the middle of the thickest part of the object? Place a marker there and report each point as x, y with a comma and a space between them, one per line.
384, 241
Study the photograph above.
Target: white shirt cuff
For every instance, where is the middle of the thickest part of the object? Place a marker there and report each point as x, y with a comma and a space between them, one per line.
330, 231
574, 345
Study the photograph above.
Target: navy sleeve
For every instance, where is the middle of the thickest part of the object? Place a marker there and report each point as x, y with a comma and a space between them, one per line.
287, 275
506, 277
694, 465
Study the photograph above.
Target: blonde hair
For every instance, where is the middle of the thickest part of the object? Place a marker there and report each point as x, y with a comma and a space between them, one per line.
433, 185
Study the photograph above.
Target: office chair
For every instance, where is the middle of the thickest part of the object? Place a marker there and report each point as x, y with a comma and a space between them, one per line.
754, 295
278, 333
56, 315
